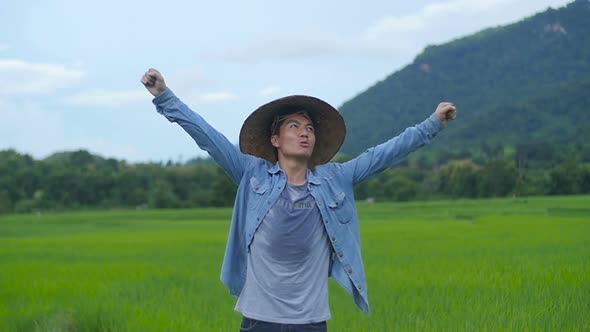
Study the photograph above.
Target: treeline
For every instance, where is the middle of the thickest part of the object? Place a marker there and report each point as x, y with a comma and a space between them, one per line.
466, 179
76, 180
79, 180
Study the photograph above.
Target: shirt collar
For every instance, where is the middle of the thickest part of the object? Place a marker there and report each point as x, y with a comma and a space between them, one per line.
311, 178
275, 168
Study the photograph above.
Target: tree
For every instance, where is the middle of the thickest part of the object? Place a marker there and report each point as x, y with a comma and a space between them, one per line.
497, 179
567, 178
223, 190
458, 178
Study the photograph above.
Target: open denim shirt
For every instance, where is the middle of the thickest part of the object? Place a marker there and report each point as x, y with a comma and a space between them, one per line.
261, 182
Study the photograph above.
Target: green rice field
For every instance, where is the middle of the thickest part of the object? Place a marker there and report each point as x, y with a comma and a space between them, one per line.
465, 265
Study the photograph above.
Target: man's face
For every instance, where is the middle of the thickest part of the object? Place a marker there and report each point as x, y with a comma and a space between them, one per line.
296, 138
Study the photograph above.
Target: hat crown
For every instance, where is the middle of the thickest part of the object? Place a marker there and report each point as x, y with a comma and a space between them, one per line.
257, 129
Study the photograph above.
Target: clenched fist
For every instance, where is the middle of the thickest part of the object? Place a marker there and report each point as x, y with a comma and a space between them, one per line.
446, 112
154, 82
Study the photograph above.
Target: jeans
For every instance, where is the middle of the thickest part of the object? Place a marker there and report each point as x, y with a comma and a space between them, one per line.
253, 325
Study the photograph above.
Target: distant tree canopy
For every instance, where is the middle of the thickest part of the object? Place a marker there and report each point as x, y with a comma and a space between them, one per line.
80, 180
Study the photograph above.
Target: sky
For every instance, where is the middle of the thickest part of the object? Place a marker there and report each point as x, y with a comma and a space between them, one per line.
70, 70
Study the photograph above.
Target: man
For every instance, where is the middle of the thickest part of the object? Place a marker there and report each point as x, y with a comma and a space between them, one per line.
294, 222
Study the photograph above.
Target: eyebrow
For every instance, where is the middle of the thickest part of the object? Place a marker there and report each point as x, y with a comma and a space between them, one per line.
309, 123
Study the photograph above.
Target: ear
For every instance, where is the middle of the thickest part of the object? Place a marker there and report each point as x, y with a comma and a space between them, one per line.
274, 140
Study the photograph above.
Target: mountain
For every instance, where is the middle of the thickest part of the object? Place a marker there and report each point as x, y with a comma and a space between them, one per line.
526, 82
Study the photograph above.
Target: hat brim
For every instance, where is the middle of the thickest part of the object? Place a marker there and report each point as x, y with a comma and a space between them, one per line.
330, 129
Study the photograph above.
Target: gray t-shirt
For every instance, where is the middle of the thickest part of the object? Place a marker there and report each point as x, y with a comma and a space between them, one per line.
288, 262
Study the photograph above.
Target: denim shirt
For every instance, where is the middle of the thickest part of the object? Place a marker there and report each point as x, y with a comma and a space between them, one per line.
260, 184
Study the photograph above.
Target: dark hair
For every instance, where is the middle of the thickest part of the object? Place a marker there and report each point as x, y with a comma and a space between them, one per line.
280, 118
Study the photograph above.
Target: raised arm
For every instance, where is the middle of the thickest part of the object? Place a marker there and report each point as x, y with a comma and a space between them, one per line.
227, 155
380, 157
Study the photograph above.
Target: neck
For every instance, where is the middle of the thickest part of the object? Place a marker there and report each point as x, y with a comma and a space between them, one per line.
296, 170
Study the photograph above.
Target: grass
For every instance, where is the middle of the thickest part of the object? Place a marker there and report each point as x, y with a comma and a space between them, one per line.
465, 265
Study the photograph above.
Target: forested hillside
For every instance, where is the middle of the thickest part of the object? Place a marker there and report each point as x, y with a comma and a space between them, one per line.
523, 83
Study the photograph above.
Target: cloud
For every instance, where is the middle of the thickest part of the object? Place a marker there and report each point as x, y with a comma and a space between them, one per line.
22, 78
393, 35
269, 91
108, 148
188, 78
27, 127
107, 98
298, 47
439, 14
440, 22
212, 98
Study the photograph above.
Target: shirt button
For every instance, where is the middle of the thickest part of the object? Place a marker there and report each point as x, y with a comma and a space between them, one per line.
326, 221
340, 254
333, 238
349, 271
268, 202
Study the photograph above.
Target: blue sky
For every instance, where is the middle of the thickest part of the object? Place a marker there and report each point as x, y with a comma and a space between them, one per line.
70, 70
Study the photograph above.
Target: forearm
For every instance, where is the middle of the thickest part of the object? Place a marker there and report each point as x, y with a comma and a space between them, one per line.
207, 138
392, 152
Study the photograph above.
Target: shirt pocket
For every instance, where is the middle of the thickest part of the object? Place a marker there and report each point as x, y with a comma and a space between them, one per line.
258, 188
341, 208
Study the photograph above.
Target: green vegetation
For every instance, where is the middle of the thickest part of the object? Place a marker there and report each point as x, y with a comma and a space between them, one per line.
488, 264
80, 180
516, 85
76, 180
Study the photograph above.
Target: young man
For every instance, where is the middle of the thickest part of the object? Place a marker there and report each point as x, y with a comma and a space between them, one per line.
294, 222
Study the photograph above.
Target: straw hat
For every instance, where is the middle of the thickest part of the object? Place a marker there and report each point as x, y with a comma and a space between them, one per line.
330, 129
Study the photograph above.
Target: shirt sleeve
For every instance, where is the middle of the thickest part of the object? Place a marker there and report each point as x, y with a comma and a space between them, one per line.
227, 155
392, 152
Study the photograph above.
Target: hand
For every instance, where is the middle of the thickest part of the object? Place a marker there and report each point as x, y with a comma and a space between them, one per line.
446, 112
154, 82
